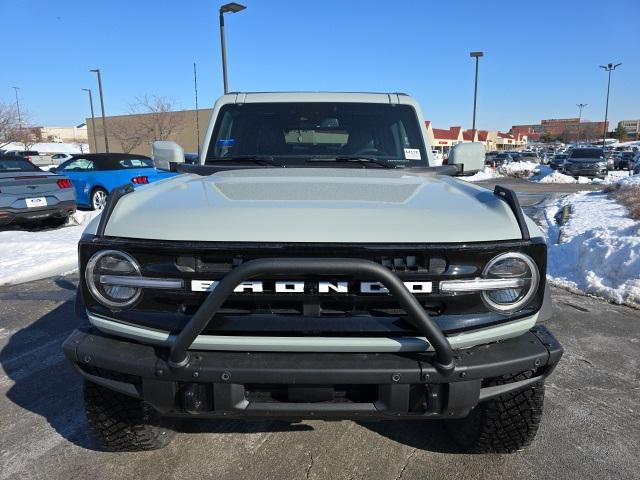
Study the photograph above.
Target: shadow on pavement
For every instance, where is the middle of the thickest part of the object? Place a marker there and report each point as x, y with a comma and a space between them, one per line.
43, 381
425, 435
45, 384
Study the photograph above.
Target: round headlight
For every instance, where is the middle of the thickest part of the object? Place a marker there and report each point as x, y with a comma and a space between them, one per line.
523, 272
107, 264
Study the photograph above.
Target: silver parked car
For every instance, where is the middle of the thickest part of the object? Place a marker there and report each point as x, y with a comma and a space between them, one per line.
28, 194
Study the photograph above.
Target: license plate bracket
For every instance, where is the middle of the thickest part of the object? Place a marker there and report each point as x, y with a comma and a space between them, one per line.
36, 202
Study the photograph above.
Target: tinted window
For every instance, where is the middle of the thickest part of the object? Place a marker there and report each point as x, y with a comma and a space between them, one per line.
293, 132
587, 153
17, 166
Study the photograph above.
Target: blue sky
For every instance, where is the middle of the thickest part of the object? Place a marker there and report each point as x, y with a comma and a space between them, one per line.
541, 57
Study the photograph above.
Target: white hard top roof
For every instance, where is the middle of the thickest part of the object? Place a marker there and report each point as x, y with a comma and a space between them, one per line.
276, 97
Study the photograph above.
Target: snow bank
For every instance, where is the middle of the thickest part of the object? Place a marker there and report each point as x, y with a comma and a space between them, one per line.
27, 256
556, 177
487, 174
45, 148
519, 169
598, 249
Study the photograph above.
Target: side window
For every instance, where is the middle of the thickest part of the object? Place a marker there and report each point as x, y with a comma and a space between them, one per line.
78, 165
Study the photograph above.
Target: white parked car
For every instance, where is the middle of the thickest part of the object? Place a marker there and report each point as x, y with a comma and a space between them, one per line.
58, 158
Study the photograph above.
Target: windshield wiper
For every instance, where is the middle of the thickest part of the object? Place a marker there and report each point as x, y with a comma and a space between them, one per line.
351, 159
258, 159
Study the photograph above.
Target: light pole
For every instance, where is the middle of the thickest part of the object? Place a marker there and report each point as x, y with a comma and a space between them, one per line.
18, 105
93, 120
477, 56
104, 122
232, 7
608, 68
580, 106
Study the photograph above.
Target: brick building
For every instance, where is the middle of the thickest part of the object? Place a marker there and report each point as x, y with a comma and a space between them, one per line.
566, 129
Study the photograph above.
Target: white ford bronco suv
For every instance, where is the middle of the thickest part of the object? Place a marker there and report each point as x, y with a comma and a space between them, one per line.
315, 264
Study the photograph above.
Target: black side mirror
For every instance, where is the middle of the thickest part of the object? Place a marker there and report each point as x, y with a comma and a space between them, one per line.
53, 170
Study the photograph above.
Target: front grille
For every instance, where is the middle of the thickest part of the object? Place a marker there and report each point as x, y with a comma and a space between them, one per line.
311, 312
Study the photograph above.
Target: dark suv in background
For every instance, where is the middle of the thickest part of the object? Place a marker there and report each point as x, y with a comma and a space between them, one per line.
586, 162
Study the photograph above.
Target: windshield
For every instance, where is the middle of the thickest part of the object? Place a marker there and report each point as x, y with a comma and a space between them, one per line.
17, 166
587, 153
293, 133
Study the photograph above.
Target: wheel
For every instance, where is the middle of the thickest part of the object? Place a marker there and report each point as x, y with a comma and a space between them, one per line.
505, 424
122, 423
98, 198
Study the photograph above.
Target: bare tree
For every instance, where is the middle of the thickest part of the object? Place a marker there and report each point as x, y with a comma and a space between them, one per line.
161, 120
8, 123
129, 133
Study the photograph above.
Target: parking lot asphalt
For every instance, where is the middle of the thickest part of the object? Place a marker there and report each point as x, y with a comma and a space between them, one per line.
590, 429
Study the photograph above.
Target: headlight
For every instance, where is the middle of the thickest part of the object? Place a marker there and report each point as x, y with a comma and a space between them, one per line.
518, 271
113, 264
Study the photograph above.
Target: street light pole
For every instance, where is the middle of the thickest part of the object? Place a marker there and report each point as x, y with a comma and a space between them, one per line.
477, 56
93, 120
580, 106
608, 68
104, 122
18, 106
226, 8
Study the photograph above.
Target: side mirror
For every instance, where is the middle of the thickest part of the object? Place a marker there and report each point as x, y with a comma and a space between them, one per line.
467, 157
165, 153
53, 169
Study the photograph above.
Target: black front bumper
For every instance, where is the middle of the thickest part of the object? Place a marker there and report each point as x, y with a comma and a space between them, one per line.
312, 385
30, 215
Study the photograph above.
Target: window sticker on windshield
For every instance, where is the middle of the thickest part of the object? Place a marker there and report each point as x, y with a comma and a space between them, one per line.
412, 154
226, 142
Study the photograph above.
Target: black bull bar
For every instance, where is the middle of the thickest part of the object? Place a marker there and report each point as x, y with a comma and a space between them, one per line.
358, 268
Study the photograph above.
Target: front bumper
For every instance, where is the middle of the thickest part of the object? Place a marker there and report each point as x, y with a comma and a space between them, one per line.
60, 210
311, 385
578, 171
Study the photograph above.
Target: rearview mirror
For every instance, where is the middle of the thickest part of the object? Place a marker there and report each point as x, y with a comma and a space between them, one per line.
467, 157
165, 154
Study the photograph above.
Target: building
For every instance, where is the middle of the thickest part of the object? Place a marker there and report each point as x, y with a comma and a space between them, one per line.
442, 140
632, 127
136, 132
564, 129
59, 134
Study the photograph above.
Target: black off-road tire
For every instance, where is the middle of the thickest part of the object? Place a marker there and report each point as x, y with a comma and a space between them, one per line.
505, 424
122, 423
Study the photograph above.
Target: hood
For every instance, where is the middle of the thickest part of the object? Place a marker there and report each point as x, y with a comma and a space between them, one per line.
313, 205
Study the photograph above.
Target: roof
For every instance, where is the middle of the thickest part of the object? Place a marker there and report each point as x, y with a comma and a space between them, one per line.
468, 135
452, 134
345, 97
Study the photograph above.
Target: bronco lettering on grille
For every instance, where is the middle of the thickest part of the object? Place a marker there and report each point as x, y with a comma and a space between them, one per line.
297, 286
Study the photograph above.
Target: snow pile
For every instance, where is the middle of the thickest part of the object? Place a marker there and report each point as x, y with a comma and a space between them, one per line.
27, 256
598, 249
487, 174
631, 181
519, 169
556, 177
